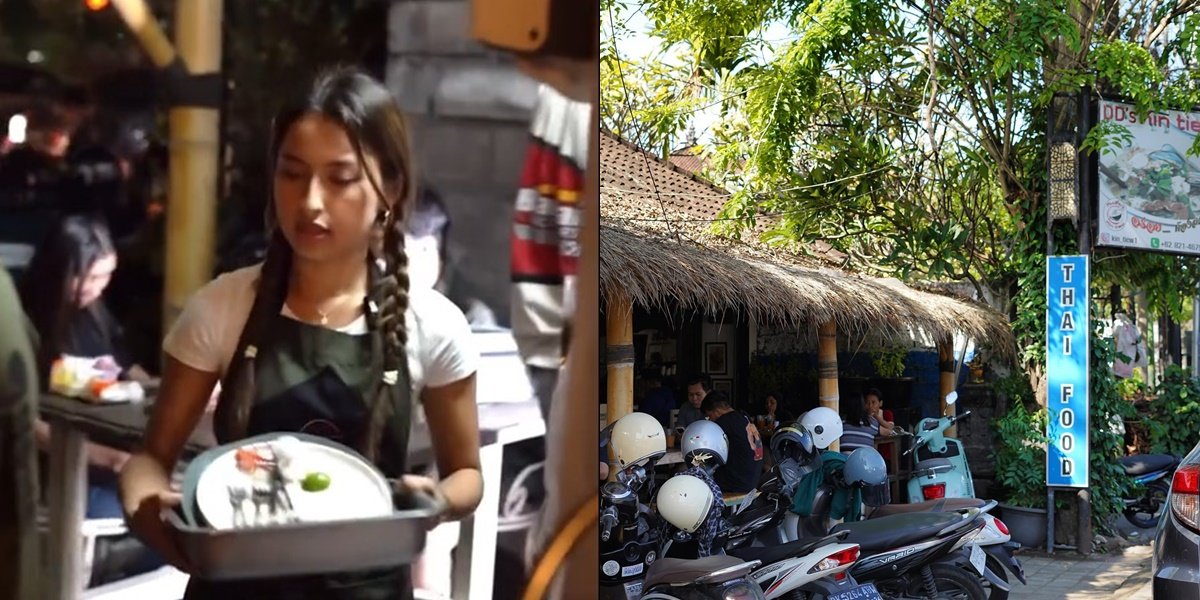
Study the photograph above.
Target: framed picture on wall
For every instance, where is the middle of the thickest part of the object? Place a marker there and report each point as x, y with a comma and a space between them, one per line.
724, 385
715, 358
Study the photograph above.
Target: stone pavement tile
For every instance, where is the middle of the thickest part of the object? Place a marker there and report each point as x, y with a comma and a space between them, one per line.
1067, 576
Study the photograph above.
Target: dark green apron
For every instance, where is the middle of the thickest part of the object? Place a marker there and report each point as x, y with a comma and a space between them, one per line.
314, 380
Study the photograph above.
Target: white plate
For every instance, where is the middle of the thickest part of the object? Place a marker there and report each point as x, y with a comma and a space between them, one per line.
356, 489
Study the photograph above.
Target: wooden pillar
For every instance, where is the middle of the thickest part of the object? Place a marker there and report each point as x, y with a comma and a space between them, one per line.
619, 334
194, 150
195, 162
945, 348
827, 369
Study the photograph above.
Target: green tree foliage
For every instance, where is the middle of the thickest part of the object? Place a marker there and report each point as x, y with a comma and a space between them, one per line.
911, 135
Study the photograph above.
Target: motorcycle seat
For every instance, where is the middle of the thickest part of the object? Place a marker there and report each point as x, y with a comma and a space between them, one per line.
932, 506
680, 571
931, 463
886, 533
774, 554
1141, 464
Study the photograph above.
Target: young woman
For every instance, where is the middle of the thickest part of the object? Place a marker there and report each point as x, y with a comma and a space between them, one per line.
62, 294
324, 336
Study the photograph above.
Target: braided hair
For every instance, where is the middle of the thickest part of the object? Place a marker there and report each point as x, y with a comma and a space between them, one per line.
375, 125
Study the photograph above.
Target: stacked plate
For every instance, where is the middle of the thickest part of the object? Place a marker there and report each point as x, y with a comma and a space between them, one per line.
308, 479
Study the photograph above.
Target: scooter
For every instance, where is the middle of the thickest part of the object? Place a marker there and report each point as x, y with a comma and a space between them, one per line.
810, 566
628, 535
967, 557
993, 539
711, 578
939, 463
1153, 471
903, 554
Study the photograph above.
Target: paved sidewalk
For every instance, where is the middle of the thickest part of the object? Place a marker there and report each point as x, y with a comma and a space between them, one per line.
1123, 574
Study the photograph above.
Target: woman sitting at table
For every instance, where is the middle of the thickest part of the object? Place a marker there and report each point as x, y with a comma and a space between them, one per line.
325, 336
62, 295
857, 431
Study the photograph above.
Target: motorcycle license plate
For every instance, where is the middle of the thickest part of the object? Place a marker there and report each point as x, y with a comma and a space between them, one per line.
633, 590
978, 558
862, 592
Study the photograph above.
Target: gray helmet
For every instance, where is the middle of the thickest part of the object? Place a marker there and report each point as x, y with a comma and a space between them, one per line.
866, 469
793, 441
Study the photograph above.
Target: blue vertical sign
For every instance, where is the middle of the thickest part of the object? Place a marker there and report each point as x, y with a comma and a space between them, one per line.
1068, 329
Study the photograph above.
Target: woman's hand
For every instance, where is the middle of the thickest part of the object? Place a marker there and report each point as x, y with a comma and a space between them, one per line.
429, 487
147, 522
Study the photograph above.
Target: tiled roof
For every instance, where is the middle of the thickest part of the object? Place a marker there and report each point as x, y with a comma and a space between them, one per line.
637, 176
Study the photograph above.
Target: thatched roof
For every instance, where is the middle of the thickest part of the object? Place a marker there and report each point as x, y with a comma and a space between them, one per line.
658, 251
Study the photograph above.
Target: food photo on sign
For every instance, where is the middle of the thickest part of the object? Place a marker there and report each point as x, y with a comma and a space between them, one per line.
1149, 184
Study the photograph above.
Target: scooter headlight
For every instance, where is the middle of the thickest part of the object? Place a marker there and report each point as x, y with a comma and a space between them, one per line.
742, 590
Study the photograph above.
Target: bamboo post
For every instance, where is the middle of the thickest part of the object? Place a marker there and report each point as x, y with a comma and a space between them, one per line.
945, 348
194, 156
619, 332
194, 145
827, 369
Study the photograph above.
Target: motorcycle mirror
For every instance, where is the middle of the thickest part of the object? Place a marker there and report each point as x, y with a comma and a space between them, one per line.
951, 398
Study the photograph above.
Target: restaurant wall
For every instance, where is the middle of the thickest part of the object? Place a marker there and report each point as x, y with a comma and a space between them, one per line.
469, 110
724, 339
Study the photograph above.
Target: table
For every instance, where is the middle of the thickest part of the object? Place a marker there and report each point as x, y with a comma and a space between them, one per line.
74, 422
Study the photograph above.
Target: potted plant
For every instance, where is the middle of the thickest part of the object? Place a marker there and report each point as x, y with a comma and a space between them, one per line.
890, 363
1021, 471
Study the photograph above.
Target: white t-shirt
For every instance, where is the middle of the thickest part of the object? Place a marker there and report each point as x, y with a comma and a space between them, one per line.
205, 336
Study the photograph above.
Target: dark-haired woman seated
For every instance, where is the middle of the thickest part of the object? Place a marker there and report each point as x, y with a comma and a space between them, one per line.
63, 296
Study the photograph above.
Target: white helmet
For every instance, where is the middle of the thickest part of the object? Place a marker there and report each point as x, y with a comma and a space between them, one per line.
703, 438
824, 425
636, 437
684, 501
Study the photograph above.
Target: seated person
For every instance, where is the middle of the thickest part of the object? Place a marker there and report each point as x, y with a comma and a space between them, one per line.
427, 231
689, 411
857, 431
741, 472
62, 297
659, 400
880, 419
776, 411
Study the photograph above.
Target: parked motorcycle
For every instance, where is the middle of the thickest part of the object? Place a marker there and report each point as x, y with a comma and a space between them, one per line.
628, 528
993, 539
1154, 472
939, 463
628, 535
711, 578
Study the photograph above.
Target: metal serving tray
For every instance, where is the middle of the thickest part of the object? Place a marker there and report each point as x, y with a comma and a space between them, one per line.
307, 548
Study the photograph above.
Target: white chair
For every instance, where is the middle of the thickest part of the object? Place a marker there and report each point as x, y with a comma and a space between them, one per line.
167, 583
91, 529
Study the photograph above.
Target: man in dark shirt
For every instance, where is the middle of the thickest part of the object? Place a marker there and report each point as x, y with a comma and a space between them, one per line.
743, 467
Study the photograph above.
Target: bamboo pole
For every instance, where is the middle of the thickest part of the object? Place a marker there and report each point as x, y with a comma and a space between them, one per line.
144, 27
827, 369
194, 156
619, 332
194, 144
945, 348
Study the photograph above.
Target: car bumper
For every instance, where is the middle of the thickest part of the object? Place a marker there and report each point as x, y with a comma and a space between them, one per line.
1176, 564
